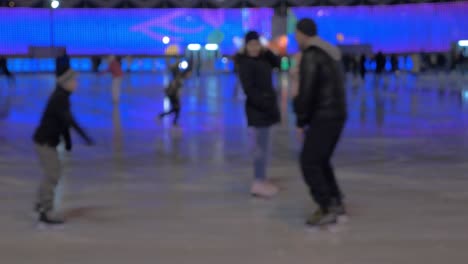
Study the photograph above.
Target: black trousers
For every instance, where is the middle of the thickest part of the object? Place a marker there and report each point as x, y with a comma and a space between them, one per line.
319, 145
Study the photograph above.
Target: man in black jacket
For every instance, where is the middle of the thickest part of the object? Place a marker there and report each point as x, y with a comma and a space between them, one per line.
55, 124
320, 106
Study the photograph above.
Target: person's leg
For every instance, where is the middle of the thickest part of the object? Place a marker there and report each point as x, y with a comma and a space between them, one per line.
51, 166
261, 186
174, 105
334, 130
175, 102
335, 190
11, 79
116, 84
171, 111
316, 152
175, 122
262, 137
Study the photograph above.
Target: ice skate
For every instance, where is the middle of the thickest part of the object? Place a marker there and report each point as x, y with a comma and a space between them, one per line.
263, 189
340, 210
50, 220
323, 221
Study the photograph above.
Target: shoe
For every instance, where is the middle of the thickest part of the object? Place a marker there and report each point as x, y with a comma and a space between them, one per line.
321, 219
37, 208
49, 218
36, 211
338, 207
263, 189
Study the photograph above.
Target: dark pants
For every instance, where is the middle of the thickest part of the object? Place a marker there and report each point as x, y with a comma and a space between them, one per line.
319, 144
175, 108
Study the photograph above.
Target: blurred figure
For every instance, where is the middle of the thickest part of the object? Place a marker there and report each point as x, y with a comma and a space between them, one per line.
115, 68
346, 63
441, 62
129, 63
362, 66
256, 65
320, 108
355, 66
6, 95
96, 61
54, 125
380, 62
62, 62
4, 70
394, 63
238, 84
180, 72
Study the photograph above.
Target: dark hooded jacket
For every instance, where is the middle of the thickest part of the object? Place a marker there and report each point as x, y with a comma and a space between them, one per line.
256, 76
321, 87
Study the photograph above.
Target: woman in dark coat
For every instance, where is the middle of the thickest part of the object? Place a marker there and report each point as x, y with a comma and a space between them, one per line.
256, 65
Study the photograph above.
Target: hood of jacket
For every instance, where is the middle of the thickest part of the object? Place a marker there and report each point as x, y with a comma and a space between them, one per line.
330, 49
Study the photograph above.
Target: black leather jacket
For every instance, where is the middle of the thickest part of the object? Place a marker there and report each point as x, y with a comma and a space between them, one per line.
321, 88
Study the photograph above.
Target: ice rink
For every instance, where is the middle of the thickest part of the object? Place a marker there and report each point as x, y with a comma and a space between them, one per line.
145, 194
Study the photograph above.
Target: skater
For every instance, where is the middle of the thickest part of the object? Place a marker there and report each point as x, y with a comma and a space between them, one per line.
96, 62
380, 62
115, 68
256, 64
320, 107
4, 69
394, 63
180, 72
55, 124
362, 67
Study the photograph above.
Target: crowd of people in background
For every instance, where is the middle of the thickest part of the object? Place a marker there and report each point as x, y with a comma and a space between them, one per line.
380, 63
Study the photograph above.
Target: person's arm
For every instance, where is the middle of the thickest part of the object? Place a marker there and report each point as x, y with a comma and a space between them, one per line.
273, 59
305, 100
70, 120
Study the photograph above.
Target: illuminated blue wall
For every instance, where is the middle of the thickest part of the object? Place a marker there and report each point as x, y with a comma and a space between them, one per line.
391, 29
128, 31
399, 28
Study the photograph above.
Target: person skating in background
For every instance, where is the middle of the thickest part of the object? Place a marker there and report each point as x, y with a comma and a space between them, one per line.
380, 62
394, 63
256, 65
320, 107
96, 62
4, 70
180, 72
55, 125
362, 66
115, 68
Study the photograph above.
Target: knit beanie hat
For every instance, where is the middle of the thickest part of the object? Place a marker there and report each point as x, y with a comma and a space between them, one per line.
307, 26
251, 35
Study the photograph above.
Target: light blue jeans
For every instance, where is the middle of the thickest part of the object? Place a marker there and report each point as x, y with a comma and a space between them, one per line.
261, 153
